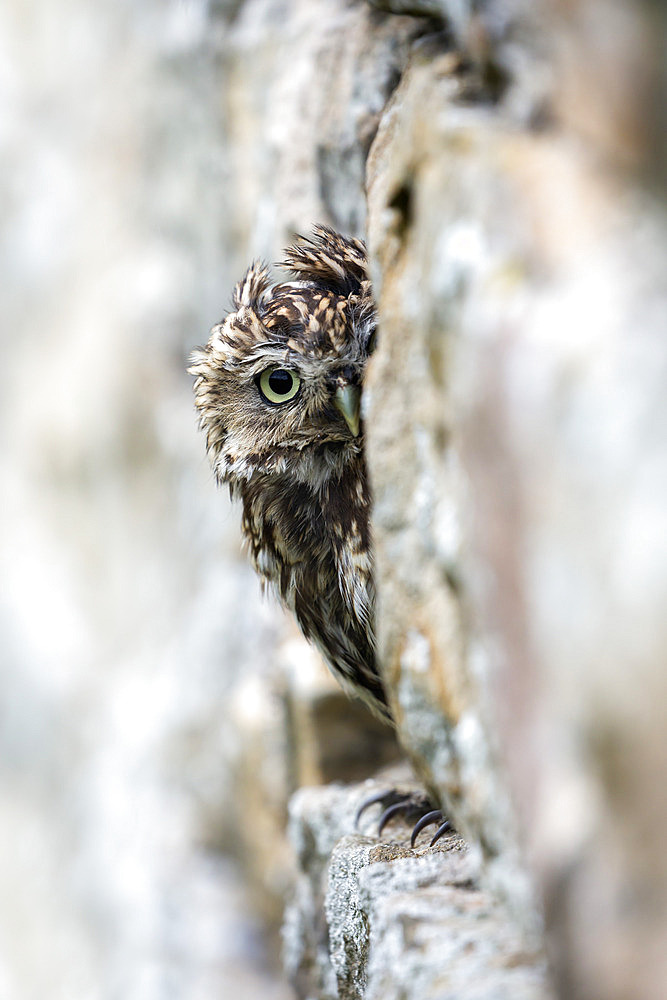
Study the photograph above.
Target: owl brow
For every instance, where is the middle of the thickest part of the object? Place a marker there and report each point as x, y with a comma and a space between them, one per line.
271, 353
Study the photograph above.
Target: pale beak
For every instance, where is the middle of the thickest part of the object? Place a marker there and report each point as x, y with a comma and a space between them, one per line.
348, 402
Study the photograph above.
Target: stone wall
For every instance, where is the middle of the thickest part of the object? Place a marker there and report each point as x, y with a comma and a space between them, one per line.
519, 247
513, 210
506, 162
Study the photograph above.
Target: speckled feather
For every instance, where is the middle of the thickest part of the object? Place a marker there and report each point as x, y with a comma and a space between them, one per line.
298, 467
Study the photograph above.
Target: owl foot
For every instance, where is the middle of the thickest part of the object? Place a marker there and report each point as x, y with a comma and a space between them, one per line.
410, 805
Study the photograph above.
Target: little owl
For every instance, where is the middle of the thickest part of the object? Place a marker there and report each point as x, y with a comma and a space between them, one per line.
278, 390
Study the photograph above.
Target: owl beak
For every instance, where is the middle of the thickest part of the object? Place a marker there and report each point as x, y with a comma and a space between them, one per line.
348, 402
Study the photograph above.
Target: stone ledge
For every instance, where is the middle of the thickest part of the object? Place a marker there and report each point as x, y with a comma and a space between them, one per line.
379, 921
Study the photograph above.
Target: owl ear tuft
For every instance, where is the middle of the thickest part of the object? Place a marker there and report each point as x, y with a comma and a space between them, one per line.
250, 291
328, 260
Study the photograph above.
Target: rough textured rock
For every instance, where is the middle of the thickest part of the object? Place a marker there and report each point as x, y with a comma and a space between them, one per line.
152, 703
397, 922
150, 152
428, 652
125, 608
289, 729
527, 264
304, 85
302, 89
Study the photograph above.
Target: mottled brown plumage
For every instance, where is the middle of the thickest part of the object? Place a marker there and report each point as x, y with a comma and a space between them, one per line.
278, 392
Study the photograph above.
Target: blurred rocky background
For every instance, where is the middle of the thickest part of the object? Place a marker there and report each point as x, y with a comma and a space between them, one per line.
507, 163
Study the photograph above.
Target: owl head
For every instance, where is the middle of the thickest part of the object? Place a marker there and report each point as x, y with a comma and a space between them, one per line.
278, 386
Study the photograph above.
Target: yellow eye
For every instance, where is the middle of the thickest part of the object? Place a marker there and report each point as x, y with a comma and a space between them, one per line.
278, 385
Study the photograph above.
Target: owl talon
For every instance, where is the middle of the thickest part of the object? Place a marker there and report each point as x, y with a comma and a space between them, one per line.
386, 799
434, 816
395, 810
409, 805
443, 828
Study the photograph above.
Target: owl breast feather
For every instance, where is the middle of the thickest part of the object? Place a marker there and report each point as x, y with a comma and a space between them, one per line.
312, 547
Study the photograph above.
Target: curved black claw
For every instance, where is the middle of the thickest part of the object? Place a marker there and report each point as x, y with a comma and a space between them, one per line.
409, 805
394, 803
443, 828
386, 799
434, 816
395, 810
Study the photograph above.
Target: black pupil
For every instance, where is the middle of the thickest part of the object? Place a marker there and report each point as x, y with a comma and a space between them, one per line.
280, 382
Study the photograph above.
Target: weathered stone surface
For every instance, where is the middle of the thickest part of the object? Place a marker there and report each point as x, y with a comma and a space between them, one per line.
380, 921
125, 609
331, 738
610, 82
289, 728
154, 709
520, 273
426, 646
151, 152
304, 85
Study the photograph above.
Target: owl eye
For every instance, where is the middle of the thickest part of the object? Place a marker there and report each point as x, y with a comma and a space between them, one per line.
372, 342
278, 385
